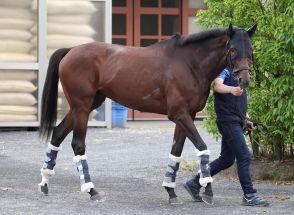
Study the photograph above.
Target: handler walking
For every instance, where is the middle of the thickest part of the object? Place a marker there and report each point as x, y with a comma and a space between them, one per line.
230, 102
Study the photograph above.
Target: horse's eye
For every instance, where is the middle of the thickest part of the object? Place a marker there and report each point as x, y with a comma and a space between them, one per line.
233, 52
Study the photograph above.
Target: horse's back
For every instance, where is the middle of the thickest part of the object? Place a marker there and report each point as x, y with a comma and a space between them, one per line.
130, 75
134, 77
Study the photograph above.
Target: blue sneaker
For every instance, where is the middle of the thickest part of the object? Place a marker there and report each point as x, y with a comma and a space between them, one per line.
193, 188
251, 199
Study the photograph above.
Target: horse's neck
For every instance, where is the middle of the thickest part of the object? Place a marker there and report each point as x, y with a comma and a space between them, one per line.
212, 58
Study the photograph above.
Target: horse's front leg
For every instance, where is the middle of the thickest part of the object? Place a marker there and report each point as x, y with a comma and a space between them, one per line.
80, 120
59, 133
169, 181
182, 118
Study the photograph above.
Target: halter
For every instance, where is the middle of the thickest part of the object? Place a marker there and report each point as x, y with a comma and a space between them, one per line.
236, 73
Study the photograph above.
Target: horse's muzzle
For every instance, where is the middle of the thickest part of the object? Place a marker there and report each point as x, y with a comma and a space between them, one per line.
243, 83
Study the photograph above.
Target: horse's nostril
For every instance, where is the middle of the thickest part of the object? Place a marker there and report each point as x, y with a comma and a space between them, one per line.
243, 83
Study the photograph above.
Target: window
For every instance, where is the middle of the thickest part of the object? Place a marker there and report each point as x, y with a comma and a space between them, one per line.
119, 3
152, 22
170, 24
119, 24
171, 3
149, 3
147, 42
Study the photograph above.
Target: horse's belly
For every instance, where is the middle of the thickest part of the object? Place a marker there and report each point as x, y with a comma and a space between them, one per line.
151, 108
152, 102
134, 85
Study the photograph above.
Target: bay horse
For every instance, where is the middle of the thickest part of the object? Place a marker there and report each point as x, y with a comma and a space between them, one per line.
171, 77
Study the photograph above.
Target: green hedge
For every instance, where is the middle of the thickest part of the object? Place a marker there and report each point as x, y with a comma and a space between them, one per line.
271, 93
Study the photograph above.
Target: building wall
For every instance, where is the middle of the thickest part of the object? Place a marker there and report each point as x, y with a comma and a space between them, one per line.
30, 31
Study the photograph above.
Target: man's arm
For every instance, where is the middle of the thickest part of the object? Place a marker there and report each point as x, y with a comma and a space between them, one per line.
220, 87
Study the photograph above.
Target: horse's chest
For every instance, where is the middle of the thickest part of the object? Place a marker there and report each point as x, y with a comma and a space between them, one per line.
197, 98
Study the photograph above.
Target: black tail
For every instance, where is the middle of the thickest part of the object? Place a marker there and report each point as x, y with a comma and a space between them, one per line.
50, 93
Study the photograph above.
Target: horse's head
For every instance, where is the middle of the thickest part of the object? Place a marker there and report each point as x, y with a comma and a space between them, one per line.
239, 54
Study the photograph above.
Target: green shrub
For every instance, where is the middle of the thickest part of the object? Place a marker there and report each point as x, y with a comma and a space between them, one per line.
271, 93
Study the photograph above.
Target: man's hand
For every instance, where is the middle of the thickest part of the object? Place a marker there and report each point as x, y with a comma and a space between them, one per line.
250, 125
236, 91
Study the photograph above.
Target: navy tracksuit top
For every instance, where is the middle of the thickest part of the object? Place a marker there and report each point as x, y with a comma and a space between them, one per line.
227, 106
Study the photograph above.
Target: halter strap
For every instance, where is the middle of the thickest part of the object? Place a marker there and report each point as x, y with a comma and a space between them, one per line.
230, 62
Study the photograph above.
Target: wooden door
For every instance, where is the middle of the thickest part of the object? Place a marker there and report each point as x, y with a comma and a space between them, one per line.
122, 22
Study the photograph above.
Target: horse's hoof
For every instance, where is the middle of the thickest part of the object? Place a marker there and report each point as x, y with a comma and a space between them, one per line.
97, 198
175, 201
208, 199
43, 188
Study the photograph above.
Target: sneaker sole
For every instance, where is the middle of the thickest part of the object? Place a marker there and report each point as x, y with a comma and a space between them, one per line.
207, 199
253, 205
191, 194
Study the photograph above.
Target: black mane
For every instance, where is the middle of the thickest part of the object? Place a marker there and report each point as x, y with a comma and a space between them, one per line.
178, 40
206, 34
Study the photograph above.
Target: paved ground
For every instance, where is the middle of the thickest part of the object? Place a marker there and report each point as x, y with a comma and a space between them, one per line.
127, 165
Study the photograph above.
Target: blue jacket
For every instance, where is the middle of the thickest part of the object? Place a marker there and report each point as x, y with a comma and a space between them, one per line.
227, 106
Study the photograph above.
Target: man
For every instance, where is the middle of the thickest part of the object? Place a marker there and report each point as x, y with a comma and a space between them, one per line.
230, 102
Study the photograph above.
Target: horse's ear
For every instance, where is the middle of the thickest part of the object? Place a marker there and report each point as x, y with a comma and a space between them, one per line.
231, 31
251, 30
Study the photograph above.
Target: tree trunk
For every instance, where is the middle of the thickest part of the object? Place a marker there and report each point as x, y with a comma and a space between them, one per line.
278, 151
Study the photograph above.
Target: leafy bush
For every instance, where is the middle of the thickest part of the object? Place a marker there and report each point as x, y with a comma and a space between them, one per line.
271, 93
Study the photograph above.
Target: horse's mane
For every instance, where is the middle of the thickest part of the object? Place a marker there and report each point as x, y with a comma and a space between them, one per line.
206, 34
179, 40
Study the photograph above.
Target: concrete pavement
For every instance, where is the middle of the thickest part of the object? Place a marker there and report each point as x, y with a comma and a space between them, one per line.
127, 166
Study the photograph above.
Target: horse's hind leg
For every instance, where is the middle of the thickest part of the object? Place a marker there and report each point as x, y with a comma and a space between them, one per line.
169, 181
80, 120
59, 133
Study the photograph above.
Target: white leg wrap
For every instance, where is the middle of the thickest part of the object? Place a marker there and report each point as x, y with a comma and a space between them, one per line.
50, 146
204, 171
78, 158
204, 152
85, 188
175, 159
169, 179
82, 167
49, 163
204, 181
46, 174
169, 184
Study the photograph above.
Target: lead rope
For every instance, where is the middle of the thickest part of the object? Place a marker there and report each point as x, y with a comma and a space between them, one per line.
256, 124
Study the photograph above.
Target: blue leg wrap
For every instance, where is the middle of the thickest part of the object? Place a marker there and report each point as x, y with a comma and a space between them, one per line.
204, 167
83, 170
49, 163
171, 171
50, 160
204, 171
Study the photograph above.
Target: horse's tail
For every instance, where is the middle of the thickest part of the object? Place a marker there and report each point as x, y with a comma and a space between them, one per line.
50, 93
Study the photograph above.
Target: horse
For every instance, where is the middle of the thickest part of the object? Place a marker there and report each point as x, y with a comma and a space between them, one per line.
171, 77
